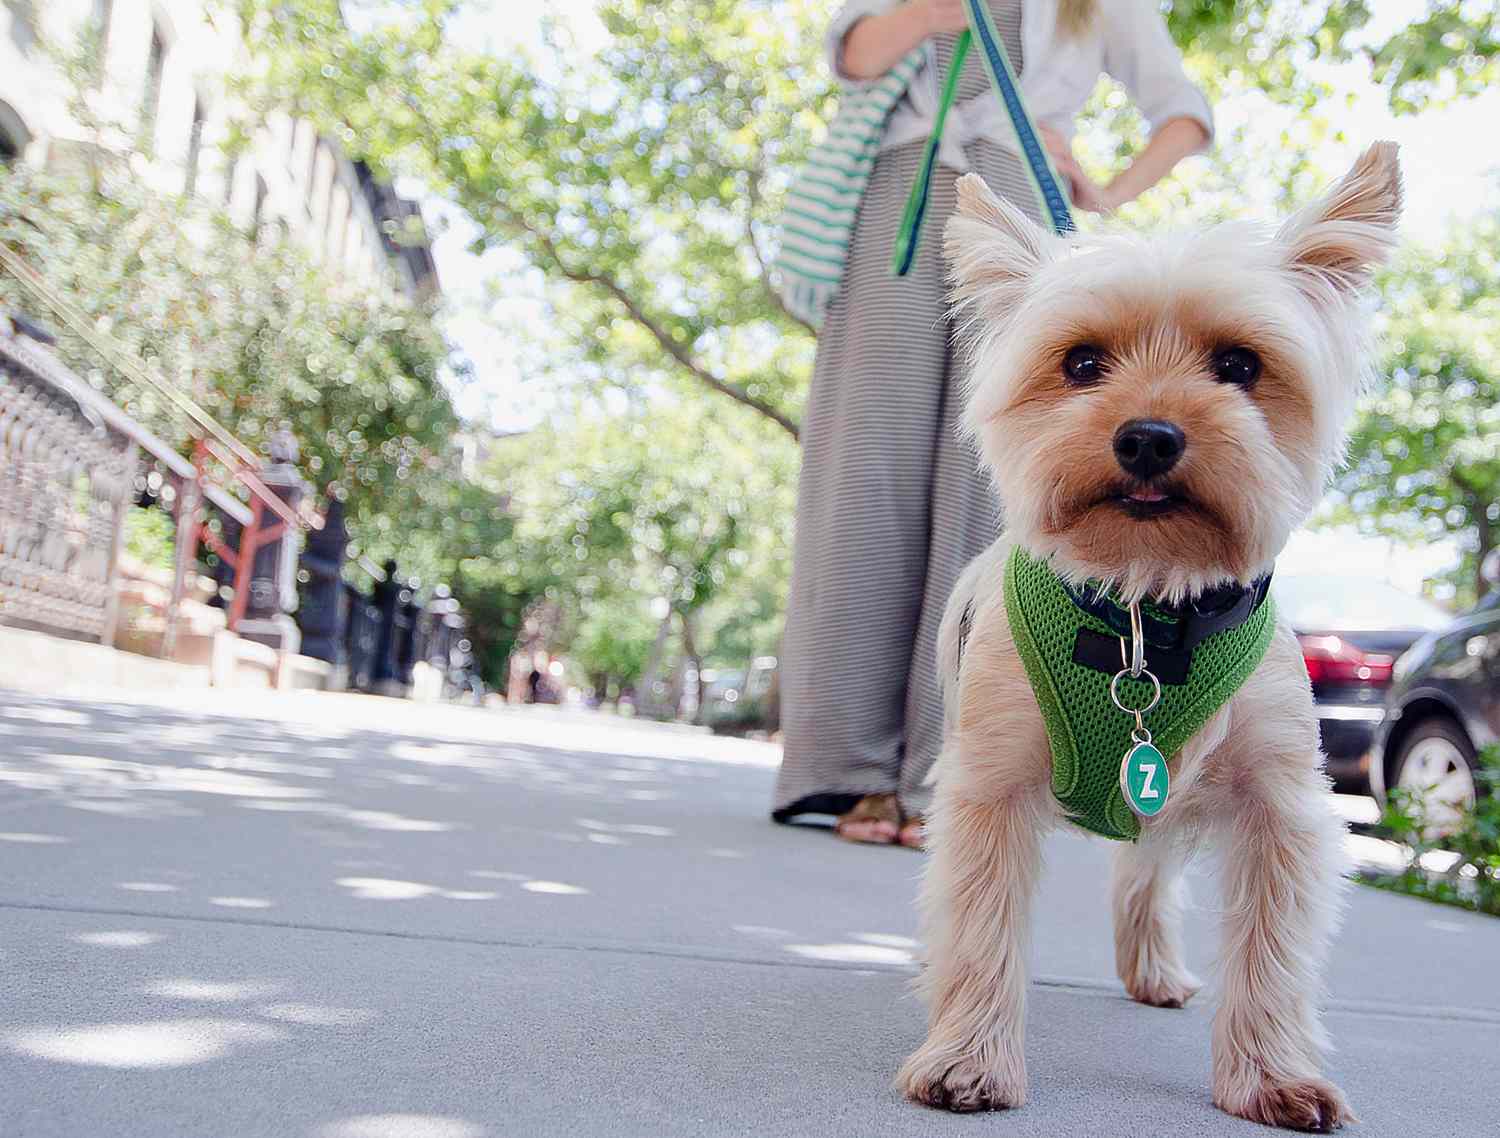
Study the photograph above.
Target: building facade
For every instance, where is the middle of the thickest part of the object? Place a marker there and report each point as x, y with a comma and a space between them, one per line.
160, 102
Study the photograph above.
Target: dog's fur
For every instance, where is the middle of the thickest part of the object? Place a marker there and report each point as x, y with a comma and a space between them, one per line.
1255, 462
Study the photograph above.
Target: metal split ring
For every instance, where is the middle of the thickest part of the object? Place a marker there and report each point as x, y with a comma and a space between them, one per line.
1137, 641
1114, 692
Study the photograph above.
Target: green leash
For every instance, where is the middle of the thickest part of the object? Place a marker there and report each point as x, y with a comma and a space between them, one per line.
1038, 165
916, 202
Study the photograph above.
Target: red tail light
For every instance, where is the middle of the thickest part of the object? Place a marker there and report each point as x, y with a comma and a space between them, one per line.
1332, 660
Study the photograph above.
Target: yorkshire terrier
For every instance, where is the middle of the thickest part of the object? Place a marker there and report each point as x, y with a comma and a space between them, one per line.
1158, 414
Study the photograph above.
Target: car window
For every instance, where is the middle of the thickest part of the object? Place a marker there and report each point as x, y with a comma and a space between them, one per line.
1353, 604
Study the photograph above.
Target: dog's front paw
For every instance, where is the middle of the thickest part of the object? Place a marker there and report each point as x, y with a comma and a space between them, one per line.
1166, 990
960, 1083
1314, 1105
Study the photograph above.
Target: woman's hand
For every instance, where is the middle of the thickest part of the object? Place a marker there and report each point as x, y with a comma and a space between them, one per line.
875, 44
1084, 192
943, 15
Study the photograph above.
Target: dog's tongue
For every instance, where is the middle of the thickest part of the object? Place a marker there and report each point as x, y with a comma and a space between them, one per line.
1147, 496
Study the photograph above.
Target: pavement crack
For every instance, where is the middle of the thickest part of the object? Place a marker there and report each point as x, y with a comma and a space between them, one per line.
703, 954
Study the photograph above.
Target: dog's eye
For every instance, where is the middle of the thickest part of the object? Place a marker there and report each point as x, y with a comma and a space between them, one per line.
1084, 365
1239, 366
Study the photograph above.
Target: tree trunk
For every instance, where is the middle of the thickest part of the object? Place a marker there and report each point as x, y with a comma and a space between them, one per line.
646, 701
690, 650
1486, 543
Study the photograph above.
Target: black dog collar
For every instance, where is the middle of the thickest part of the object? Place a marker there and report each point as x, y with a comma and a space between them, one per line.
1171, 632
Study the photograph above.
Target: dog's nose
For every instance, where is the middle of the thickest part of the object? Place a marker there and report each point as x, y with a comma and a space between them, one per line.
1146, 448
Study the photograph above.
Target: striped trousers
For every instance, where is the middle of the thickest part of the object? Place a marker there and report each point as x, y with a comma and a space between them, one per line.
891, 505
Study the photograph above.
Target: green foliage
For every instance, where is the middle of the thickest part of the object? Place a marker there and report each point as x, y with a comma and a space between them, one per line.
642, 186
1473, 880
666, 506
1425, 457
254, 332
643, 183
149, 537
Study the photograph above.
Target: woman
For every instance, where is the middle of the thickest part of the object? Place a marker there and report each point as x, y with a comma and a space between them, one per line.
892, 504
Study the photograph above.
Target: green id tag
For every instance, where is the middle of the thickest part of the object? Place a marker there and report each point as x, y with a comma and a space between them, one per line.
1144, 780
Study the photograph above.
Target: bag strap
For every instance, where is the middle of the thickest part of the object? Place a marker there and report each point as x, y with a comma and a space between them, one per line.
1038, 165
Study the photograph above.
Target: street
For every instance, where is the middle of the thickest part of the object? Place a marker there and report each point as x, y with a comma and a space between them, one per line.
348, 917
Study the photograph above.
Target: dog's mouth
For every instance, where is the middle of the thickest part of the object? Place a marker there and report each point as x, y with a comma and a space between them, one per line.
1145, 502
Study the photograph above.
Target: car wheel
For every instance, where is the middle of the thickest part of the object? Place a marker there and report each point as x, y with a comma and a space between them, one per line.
1436, 761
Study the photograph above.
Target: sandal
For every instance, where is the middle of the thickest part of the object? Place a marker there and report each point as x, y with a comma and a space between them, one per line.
913, 832
875, 819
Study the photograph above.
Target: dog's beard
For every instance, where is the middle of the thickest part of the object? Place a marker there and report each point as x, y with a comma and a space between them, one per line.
1168, 539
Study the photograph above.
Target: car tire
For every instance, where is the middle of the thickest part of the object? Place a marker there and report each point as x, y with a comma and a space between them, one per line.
1437, 754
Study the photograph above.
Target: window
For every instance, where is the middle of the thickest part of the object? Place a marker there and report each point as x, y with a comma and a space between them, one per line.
155, 63
195, 148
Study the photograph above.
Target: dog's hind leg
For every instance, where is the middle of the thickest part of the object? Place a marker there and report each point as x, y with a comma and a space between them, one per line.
1282, 885
1148, 895
977, 900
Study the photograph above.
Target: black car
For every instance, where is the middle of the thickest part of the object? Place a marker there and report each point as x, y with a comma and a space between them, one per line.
1443, 709
1352, 631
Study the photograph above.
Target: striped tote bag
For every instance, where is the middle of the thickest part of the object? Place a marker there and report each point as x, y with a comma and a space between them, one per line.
821, 205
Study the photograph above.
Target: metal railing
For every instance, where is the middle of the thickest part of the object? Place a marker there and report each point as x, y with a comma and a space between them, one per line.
69, 473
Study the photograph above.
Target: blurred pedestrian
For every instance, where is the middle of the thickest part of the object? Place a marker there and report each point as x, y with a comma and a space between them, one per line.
892, 504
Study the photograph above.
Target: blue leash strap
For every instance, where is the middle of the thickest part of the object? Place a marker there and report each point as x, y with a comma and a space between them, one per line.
1038, 165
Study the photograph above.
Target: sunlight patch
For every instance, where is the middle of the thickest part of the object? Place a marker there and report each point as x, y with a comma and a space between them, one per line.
34, 839
852, 953
558, 887
146, 887
390, 889
315, 1015
887, 940
626, 828
58, 715
168, 1043
240, 902
207, 990
121, 939
381, 820
400, 1126
761, 930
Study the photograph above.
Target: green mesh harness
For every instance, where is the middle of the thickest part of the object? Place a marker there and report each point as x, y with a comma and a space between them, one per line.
1070, 643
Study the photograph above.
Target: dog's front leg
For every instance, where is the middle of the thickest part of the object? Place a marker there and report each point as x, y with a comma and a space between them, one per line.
1282, 880
1148, 895
977, 901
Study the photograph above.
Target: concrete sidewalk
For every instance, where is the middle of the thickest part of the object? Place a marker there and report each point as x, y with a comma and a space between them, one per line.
354, 918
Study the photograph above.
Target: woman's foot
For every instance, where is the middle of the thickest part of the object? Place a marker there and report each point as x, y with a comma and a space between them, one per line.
913, 833
874, 819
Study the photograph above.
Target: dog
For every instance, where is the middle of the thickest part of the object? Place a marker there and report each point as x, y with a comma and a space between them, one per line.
1243, 351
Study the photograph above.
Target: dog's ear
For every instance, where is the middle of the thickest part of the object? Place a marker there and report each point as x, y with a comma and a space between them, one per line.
1340, 240
993, 250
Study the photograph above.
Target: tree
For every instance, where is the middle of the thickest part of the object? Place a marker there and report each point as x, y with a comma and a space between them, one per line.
1425, 458
643, 186
252, 331
649, 517
645, 183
